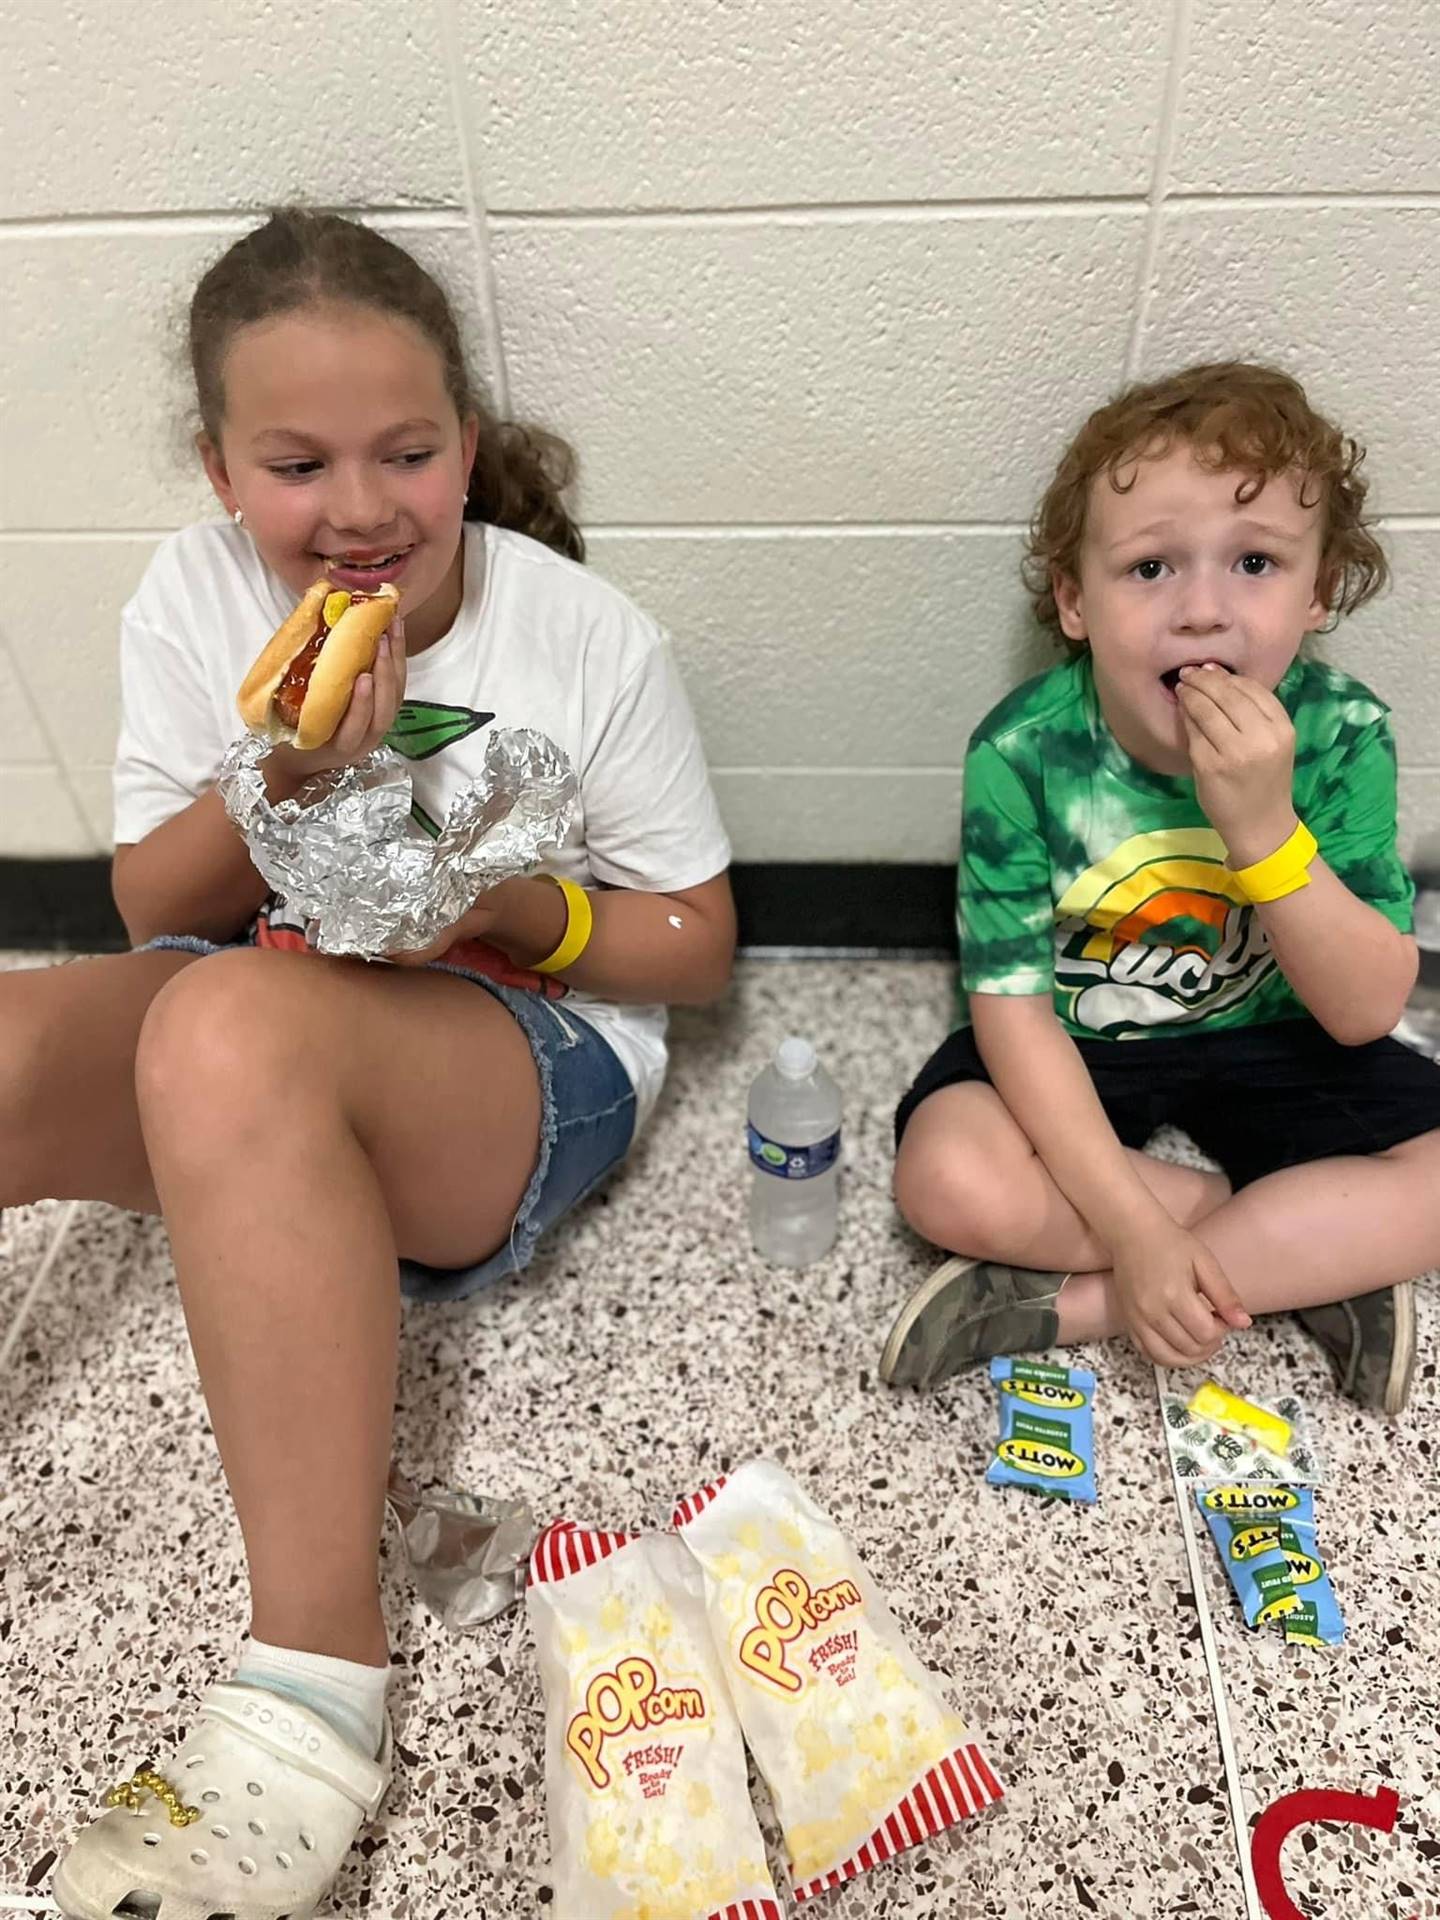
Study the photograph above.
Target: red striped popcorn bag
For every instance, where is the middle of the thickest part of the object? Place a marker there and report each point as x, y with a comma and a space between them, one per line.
862, 1757
649, 1810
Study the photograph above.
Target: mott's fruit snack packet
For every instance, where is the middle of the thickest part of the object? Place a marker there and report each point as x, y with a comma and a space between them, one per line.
1047, 1428
649, 1810
862, 1757
1266, 1538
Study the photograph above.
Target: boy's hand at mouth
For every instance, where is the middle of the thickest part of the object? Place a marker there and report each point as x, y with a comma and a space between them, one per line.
1242, 750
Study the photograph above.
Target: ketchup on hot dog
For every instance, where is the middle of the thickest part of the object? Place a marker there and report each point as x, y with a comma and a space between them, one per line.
290, 694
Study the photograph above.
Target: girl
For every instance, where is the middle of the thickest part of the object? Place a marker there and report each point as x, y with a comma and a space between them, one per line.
304, 1124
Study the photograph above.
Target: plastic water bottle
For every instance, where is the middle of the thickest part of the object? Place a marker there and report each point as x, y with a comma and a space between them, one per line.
794, 1137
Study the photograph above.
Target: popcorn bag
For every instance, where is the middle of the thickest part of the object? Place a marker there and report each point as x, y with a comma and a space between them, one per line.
862, 1757
649, 1811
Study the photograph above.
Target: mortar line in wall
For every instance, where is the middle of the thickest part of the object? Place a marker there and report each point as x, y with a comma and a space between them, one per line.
475, 211
820, 213
725, 530
1381, 199
1056, 206
798, 529
1164, 156
218, 220
632, 529
850, 772
452, 219
926, 769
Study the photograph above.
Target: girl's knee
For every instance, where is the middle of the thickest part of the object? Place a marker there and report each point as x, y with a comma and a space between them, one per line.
223, 1041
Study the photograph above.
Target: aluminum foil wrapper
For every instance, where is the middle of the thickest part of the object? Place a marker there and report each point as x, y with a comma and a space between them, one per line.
348, 858
467, 1552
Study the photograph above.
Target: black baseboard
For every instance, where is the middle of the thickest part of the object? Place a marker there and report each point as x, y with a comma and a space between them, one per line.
824, 904
54, 905
59, 905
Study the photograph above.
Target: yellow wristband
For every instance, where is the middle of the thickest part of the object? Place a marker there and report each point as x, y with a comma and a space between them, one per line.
579, 925
1284, 871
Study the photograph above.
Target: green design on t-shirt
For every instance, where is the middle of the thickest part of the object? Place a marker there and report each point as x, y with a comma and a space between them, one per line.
1087, 876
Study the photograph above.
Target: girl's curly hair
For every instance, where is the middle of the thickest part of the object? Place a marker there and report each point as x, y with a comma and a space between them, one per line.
1238, 417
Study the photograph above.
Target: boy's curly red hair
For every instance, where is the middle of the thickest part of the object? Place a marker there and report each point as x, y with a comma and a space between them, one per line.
1241, 417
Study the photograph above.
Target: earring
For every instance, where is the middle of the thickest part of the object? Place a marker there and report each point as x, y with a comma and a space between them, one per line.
238, 517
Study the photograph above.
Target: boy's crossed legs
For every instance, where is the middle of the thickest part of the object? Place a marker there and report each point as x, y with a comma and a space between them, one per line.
1302, 1237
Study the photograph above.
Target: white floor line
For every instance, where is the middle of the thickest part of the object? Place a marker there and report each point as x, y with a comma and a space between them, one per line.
1184, 1506
32, 1292
26, 1903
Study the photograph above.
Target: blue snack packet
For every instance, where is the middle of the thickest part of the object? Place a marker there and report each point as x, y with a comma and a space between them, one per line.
1047, 1428
1266, 1537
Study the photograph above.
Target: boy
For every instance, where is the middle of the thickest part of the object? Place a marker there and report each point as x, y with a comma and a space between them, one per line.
1180, 900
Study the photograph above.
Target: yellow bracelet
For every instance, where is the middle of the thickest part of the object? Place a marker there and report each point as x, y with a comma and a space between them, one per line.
1284, 871
579, 925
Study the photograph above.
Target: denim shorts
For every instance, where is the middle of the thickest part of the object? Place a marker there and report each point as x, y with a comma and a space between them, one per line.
587, 1121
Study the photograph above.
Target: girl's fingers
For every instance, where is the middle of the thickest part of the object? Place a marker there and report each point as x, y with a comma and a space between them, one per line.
355, 727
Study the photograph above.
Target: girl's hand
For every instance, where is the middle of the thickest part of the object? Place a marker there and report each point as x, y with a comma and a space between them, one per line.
476, 924
374, 702
1176, 1300
1242, 750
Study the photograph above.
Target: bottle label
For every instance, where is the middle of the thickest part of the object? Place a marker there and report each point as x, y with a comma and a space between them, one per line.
792, 1163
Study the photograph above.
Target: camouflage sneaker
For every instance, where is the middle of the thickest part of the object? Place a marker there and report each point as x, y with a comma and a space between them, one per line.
968, 1311
1371, 1343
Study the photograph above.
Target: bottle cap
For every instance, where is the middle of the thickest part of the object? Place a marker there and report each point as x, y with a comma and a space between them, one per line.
795, 1058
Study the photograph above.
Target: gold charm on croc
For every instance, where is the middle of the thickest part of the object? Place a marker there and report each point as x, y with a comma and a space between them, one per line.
130, 1793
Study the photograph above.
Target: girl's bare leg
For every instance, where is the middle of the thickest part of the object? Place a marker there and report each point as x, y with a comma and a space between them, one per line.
68, 1125
305, 1121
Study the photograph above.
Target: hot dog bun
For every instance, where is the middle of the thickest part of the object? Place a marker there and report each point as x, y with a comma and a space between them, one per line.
348, 650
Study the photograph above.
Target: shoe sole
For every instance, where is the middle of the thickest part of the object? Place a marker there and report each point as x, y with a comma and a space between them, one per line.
912, 1310
74, 1906
1402, 1355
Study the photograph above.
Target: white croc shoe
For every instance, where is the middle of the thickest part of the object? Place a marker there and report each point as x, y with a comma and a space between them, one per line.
250, 1821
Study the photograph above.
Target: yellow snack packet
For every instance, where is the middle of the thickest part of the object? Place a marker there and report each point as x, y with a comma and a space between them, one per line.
862, 1757
645, 1785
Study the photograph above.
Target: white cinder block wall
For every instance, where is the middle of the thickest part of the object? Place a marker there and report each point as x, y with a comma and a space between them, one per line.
815, 287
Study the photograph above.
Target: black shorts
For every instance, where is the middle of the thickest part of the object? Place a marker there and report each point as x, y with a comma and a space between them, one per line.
1254, 1098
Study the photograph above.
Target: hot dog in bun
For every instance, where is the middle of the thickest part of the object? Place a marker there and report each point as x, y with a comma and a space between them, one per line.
299, 688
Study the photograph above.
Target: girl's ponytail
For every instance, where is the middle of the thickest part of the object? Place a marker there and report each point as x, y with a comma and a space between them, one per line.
519, 480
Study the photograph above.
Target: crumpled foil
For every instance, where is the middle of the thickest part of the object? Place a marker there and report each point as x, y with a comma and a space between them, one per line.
347, 856
467, 1552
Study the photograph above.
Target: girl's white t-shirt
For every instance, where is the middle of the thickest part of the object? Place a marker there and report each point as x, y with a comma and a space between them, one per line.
539, 642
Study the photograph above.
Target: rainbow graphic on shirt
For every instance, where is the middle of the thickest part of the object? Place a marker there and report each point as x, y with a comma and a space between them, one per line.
1157, 933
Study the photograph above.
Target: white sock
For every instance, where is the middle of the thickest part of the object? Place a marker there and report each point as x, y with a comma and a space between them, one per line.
348, 1694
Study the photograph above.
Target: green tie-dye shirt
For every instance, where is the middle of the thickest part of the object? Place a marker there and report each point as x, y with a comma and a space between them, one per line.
1088, 877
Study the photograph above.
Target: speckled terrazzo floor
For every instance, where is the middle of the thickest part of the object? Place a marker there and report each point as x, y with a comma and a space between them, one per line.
646, 1350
